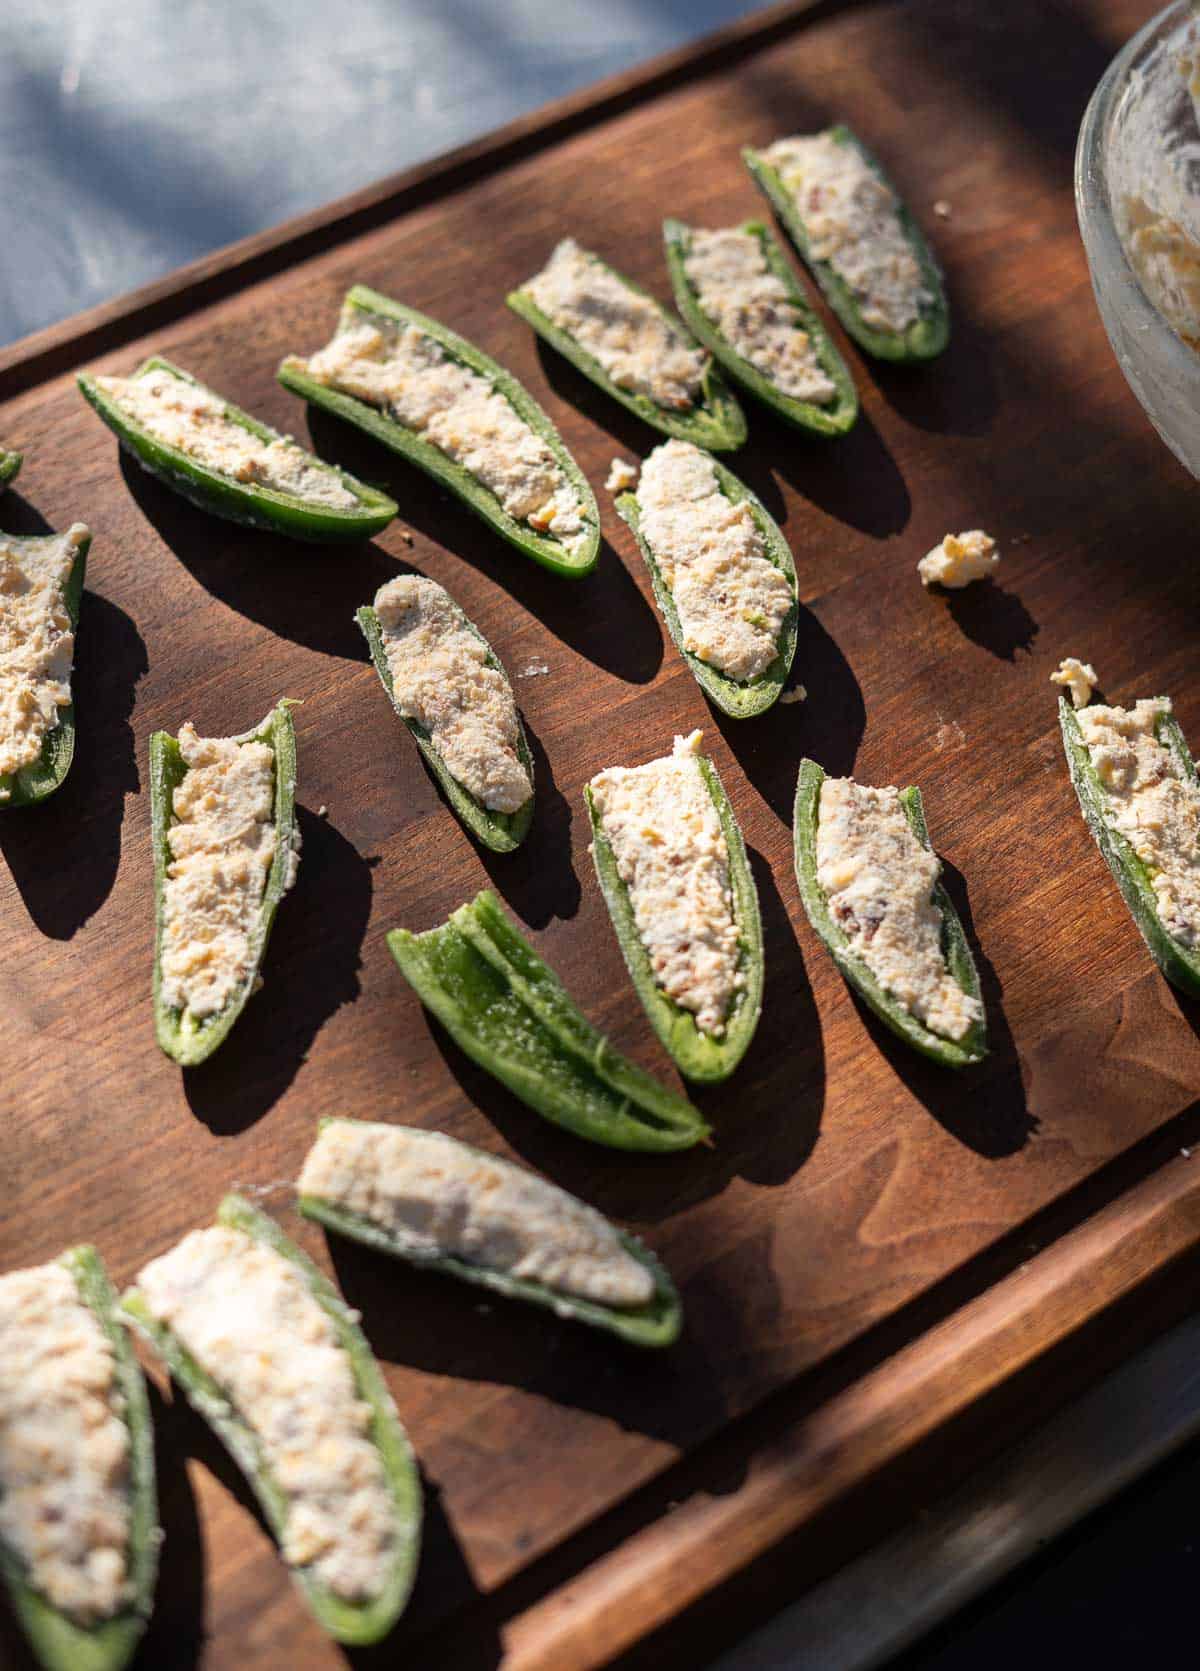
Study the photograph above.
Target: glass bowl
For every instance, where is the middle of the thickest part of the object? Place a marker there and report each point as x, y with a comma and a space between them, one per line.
1139, 136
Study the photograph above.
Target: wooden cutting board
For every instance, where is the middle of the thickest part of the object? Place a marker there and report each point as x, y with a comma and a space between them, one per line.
882, 1263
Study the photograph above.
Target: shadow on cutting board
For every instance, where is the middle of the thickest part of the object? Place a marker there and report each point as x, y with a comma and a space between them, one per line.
853, 477
449, 1328
828, 725
305, 593
63, 854
325, 913
984, 1106
538, 881
602, 616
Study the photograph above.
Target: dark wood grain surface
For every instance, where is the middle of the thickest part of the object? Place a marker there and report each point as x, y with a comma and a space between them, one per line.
849, 1180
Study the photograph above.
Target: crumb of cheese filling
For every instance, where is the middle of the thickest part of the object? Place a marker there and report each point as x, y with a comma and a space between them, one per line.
1152, 803
731, 599
65, 1510
222, 842
622, 476
247, 1317
959, 559
438, 1196
37, 643
754, 311
194, 420
635, 342
671, 854
852, 220
879, 879
1079, 677
407, 374
441, 677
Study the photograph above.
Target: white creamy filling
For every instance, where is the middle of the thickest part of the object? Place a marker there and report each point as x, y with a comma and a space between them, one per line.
852, 221
731, 599
1166, 259
37, 643
65, 1510
180, 415
1154, 806
248, 1318
627, 332
222, 842
622, 476
408, 375
670, 851
754, 311
879, 879
442, 679
959, 560
439, 1196
1078, 677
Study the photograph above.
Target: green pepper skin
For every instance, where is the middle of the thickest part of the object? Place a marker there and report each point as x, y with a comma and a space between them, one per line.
10, 466
252, 506
502, 832
34, 783
551, 553
1179, 963
698, 1055
510, 1013
354, 1623
184, 1039
927, 336
833, 419
951, 1053
740, 700
59, 1643
656, 1324
717, 422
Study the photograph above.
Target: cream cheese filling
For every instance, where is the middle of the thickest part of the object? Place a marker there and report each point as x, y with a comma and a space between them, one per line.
852, 221
437, 1196
222, 842
671, 854
638, 347
731, 599
65, 1505
407, 374
879, 879
247, 1317
441, 677
37, 642
180, 415
754, 311
1153, 804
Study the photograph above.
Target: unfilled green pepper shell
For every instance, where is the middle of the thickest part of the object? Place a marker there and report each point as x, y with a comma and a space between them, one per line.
502, 832
839, 414
33, 783
928, 335
740, 700
511, 1014
58, 1642
353, 1623
1179, 963
698, 1055
185, 1039
251, 504
10, 465
655, 1324
551, 553
716, 421
950, 1053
